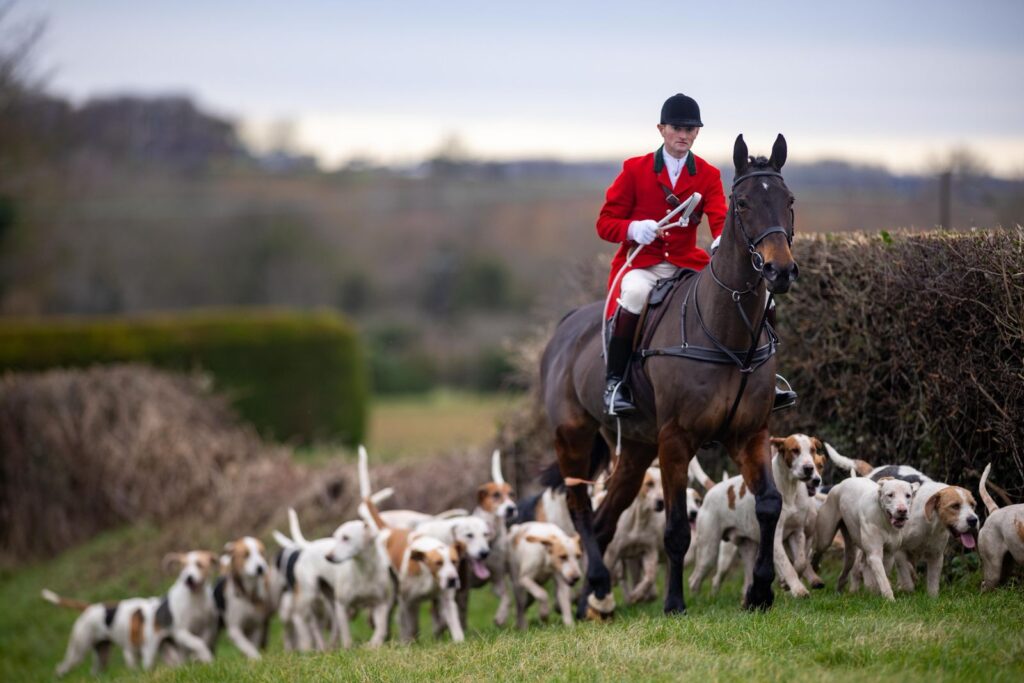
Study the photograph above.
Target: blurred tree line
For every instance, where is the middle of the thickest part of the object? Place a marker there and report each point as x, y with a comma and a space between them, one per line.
128, 204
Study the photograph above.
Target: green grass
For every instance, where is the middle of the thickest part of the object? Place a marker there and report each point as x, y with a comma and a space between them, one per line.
423, 425
440, 421
962, 635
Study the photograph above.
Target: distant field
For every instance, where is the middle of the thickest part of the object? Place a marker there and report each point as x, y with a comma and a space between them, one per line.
440, 421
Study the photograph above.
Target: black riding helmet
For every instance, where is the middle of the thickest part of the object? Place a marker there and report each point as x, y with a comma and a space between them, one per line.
681, 111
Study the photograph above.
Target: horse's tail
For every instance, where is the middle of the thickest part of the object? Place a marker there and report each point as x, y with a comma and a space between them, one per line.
990, 503
600, 458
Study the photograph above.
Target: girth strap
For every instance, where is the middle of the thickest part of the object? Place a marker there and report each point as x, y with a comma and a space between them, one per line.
709, 355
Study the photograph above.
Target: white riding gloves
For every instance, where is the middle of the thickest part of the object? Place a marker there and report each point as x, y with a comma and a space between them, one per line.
715, 243
642, 232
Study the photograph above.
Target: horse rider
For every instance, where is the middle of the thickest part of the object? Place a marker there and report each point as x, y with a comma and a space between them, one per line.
648, 188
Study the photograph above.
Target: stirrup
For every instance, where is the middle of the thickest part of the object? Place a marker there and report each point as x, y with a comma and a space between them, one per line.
616, 399
784, 398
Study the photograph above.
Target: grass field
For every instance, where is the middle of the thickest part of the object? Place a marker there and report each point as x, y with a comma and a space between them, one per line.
962, 635
404, 427
440, 421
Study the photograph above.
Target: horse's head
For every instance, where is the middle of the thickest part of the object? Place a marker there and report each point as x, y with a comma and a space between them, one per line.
762, 208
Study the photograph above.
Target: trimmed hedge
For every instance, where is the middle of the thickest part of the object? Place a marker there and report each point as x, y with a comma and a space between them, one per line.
910, 349
295, 376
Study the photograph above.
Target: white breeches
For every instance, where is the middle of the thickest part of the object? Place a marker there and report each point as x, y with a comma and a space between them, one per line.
637, 284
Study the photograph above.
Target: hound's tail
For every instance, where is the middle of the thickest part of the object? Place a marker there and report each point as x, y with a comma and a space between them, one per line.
70, 603
296, 530
600, 460
990, 503
284, 541
364, 474
496, 476
856, 468
698, 474
371, 515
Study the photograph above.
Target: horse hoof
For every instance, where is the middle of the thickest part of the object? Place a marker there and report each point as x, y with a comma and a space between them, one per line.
675, 607
759, 598
600, 609
818, 584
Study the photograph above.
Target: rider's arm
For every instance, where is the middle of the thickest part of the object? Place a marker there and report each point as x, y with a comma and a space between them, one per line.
614, 219
714, 203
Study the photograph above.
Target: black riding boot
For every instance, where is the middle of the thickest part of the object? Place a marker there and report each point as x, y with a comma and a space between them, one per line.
784, 398
617, 399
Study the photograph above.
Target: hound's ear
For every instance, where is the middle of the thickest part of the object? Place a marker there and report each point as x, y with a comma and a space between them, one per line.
460, 548
481, 494
777, 444
817, 444
914, 486
740, 159
930, 506
539, 539
171, 560
417, 556
229, 547
779, 152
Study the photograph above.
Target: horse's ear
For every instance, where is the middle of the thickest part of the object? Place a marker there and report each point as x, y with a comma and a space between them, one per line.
739, 155
779, 151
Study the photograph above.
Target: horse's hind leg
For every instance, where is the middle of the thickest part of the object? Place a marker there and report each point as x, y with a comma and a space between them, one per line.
623, 486
754, 460
574, 444
674, 455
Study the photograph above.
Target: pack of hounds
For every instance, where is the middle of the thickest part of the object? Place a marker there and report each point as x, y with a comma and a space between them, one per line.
880, 518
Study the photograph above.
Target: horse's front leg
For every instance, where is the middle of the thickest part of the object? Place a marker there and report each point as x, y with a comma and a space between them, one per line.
674, 457
754, 459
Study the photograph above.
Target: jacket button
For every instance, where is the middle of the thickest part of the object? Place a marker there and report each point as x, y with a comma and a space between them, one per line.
666, 254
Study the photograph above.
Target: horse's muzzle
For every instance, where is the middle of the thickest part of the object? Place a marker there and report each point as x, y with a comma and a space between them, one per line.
779, 277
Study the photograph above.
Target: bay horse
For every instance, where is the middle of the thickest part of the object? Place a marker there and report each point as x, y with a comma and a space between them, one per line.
716, 384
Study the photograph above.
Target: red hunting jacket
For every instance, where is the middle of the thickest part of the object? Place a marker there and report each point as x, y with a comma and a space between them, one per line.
637, 194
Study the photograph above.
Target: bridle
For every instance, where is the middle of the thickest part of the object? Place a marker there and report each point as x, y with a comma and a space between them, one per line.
756, 260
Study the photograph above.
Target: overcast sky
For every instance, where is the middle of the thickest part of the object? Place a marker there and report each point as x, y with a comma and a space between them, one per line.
897, 83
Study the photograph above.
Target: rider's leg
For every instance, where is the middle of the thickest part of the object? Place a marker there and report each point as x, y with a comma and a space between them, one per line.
617, 400
636, 285
783, 398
